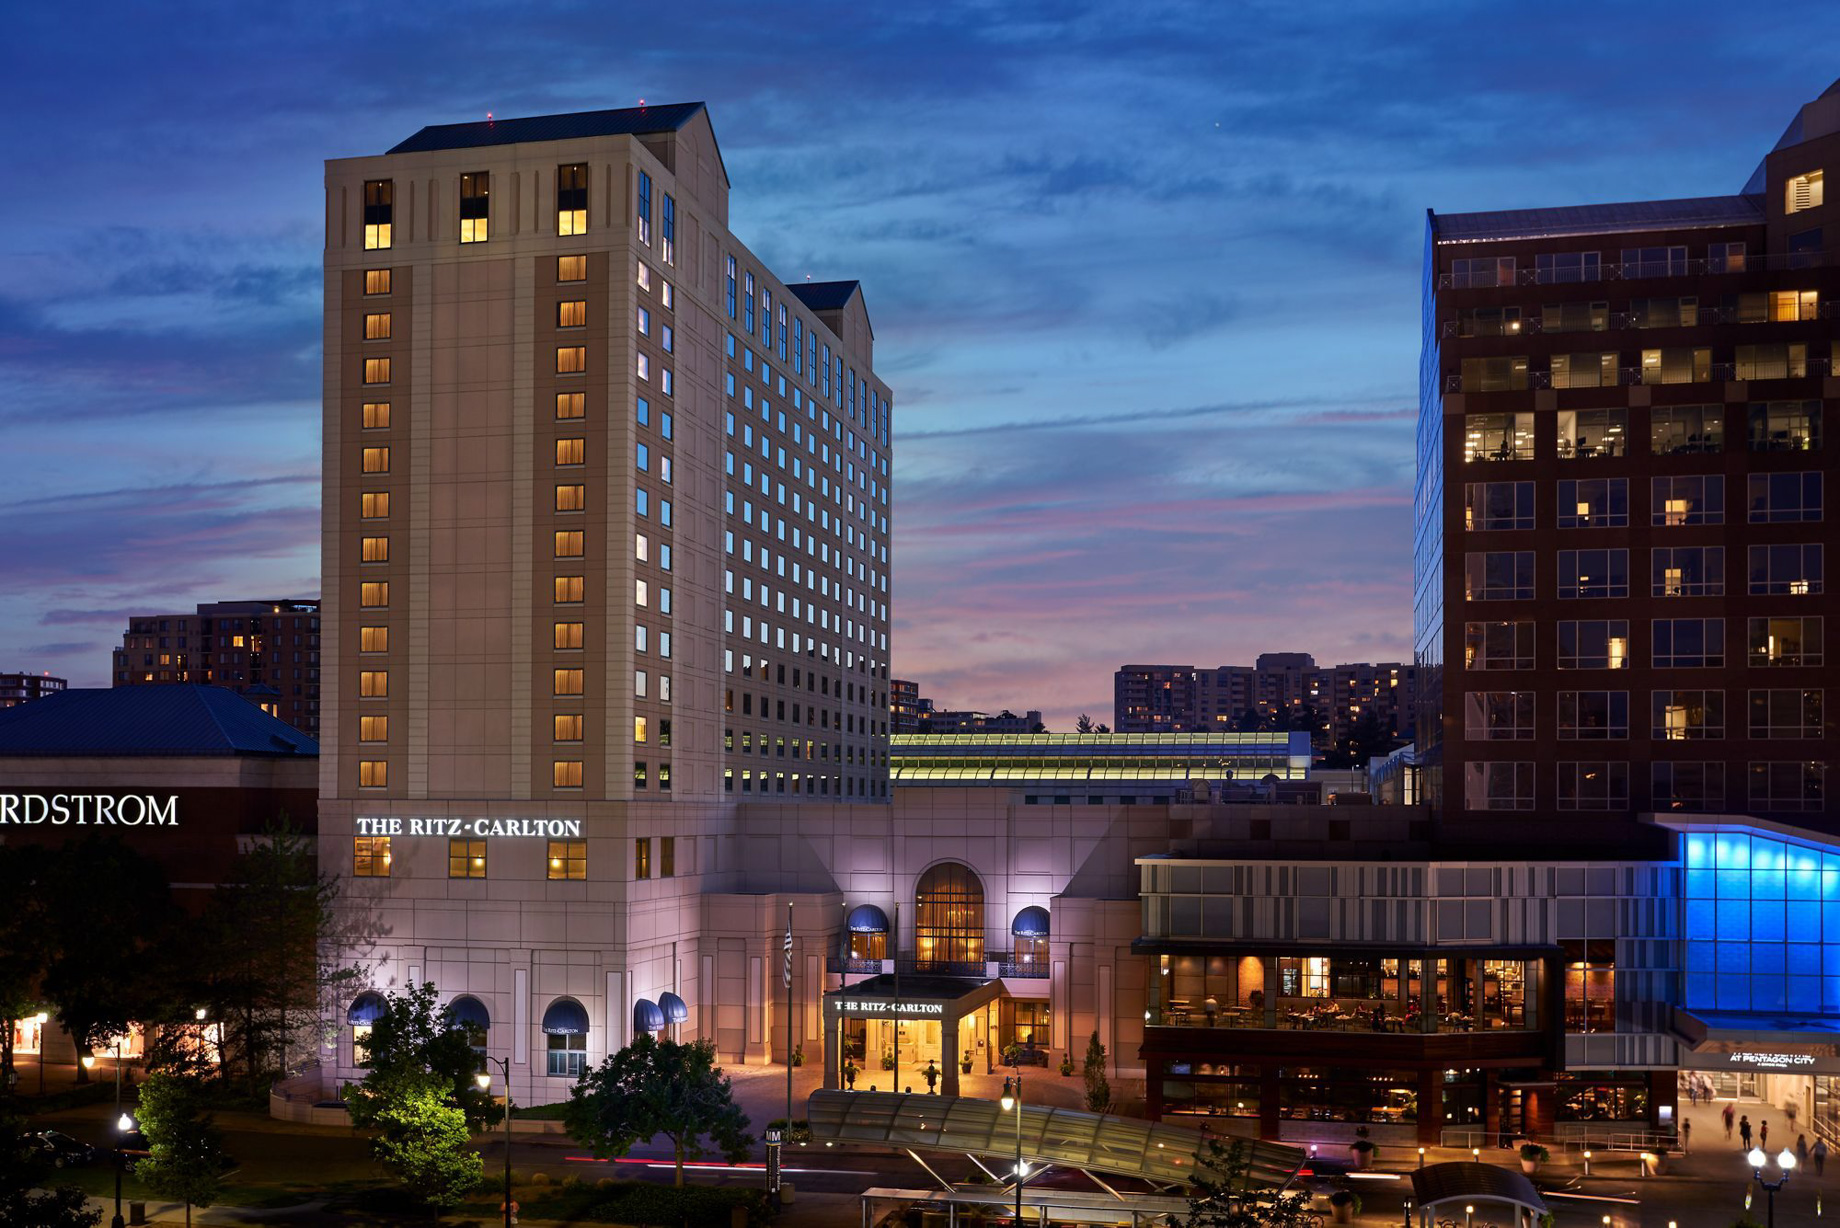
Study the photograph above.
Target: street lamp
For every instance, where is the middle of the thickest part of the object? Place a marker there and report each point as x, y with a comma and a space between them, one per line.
1012, 1102
123, 1123
484, 1079
1785, 1160
41, 1019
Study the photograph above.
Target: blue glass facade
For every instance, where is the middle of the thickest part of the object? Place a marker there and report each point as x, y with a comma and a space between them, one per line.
1762, 924
1428, 544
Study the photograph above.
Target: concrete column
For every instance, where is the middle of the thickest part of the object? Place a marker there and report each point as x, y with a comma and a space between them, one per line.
948, 1055
1430, 1107
1491, 1102
1270, 963
1268, 1085
833, 1051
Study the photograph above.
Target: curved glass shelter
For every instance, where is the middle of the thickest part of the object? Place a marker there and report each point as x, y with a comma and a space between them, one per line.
1021, 759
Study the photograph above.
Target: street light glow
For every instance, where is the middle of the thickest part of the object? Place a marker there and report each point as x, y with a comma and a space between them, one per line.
483, 1079
1756, 1157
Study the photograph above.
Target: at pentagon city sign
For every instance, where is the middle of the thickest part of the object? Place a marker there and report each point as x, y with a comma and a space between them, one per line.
90, 809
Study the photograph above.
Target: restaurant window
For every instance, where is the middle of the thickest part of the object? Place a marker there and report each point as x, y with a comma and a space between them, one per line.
572, 199
1677, 430
1682, 716
370, 856
1785, 426
1588, 434
1588, 1096
1497, 437
379, 213
466, 858
1687, 571
568, 859
474, 189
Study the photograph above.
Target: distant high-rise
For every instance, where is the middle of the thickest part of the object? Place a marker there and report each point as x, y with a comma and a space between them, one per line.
1183, 699
1621, 505
266, 651
16, 689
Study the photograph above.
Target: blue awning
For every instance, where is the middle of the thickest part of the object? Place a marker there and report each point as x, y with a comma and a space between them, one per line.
673, 1007
1031, 922
868, 919
470, 1012
366, 1009
647, 1017
565, 1017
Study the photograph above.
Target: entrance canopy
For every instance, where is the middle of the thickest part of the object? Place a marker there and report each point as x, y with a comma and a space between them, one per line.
911, 997
1467, 1183
1099, 1142
868, 919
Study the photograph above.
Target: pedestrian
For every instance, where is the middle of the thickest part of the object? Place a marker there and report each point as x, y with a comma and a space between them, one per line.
1801, 1151
1727, 1115
910, 1089
1819, 1152
1686, 1135
1744, 1133
849, 1075
1763, 1134
931, 1074
1790, 1110
1692, 1093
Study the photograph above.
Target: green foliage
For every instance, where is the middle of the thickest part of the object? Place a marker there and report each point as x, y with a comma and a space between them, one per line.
793, 1133
655, 1087
23, 942
1224, 1195
418, 1049
25, 1196
1534, 1152
423, 1140
1098, 1090
1346, 1198
186, 1153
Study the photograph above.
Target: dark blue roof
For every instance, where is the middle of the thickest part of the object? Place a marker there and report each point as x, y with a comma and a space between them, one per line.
648, 1016
623, 121
566, 1017
675, 1009
1629, 217
824, 295
180, 719
1031, 922
868, 919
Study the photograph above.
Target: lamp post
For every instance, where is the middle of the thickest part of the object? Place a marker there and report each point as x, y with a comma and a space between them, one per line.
123, 1123
41, 1019
1785, 1160
484, 1079
1012, 1102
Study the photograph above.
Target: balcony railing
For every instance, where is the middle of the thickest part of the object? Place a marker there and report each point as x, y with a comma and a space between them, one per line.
996, 964
847, 966
1643, 270
1342, 1015
1632, 376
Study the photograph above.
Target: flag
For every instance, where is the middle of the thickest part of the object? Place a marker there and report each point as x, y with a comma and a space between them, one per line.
788, 948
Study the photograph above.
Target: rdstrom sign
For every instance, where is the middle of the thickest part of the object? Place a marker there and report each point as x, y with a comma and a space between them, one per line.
90, 809
550, 829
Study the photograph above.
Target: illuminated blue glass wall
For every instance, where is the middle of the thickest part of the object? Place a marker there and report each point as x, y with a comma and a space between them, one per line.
1762, 926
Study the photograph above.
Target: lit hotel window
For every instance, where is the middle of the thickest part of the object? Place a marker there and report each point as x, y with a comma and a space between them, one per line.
568, 728
377, 326
568, 635
374, 683
474, 192
376, 281
572, 314
376, 415
572, 199
571, 405
370, 856
642, 853
466, 858
569, 589
375, 549
571, 452
566, 773
571, 359
379, 209
373, 639
568, 682
571, 268
569, 543
375, 460
571, 498
373, 729
373, 773
568, 859
374, 594
374, 505
376, 370
641, 731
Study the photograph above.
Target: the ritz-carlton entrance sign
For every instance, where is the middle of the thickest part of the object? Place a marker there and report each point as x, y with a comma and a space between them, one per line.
542, 829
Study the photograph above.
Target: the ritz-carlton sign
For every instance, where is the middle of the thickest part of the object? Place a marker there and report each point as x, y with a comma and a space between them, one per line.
90, 809
551, 829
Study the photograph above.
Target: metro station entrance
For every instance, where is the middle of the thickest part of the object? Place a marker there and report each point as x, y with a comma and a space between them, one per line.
890, 1027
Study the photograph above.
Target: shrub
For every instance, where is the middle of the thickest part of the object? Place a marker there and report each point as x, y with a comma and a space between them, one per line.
1533, 1151
1346, 1198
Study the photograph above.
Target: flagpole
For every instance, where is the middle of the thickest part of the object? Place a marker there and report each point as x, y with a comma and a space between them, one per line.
788, 1015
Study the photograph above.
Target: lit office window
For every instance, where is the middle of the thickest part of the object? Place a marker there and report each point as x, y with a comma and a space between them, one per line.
572, 199
474, 214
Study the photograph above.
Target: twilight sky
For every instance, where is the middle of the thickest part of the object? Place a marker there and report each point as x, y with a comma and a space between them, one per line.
1144, 277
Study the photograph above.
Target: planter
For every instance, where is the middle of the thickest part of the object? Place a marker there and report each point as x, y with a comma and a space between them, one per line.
1530, 1167
1341, 1213
1361, 1157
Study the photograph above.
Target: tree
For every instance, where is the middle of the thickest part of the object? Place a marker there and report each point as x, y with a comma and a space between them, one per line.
276, 934
654, 1087
1102, 728
416, 1047
185, 1148
1368, 737
1084, 724
23, 945
1098, 1090
25, 1197
1224, 1195
423, 1139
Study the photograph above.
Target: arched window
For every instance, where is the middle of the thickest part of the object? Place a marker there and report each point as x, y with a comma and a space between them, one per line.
565, 1027
470, 1013
868, 932
949, 920
1030, 932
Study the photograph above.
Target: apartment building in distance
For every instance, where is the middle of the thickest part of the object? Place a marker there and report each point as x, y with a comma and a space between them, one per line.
16, 689
1183, 699
906, 707
1621, 522
266, 651
606, 554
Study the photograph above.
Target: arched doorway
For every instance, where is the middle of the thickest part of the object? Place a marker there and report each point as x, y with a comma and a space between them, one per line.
949, 920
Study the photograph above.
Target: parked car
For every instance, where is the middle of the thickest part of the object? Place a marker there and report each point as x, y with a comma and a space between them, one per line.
62, 1150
